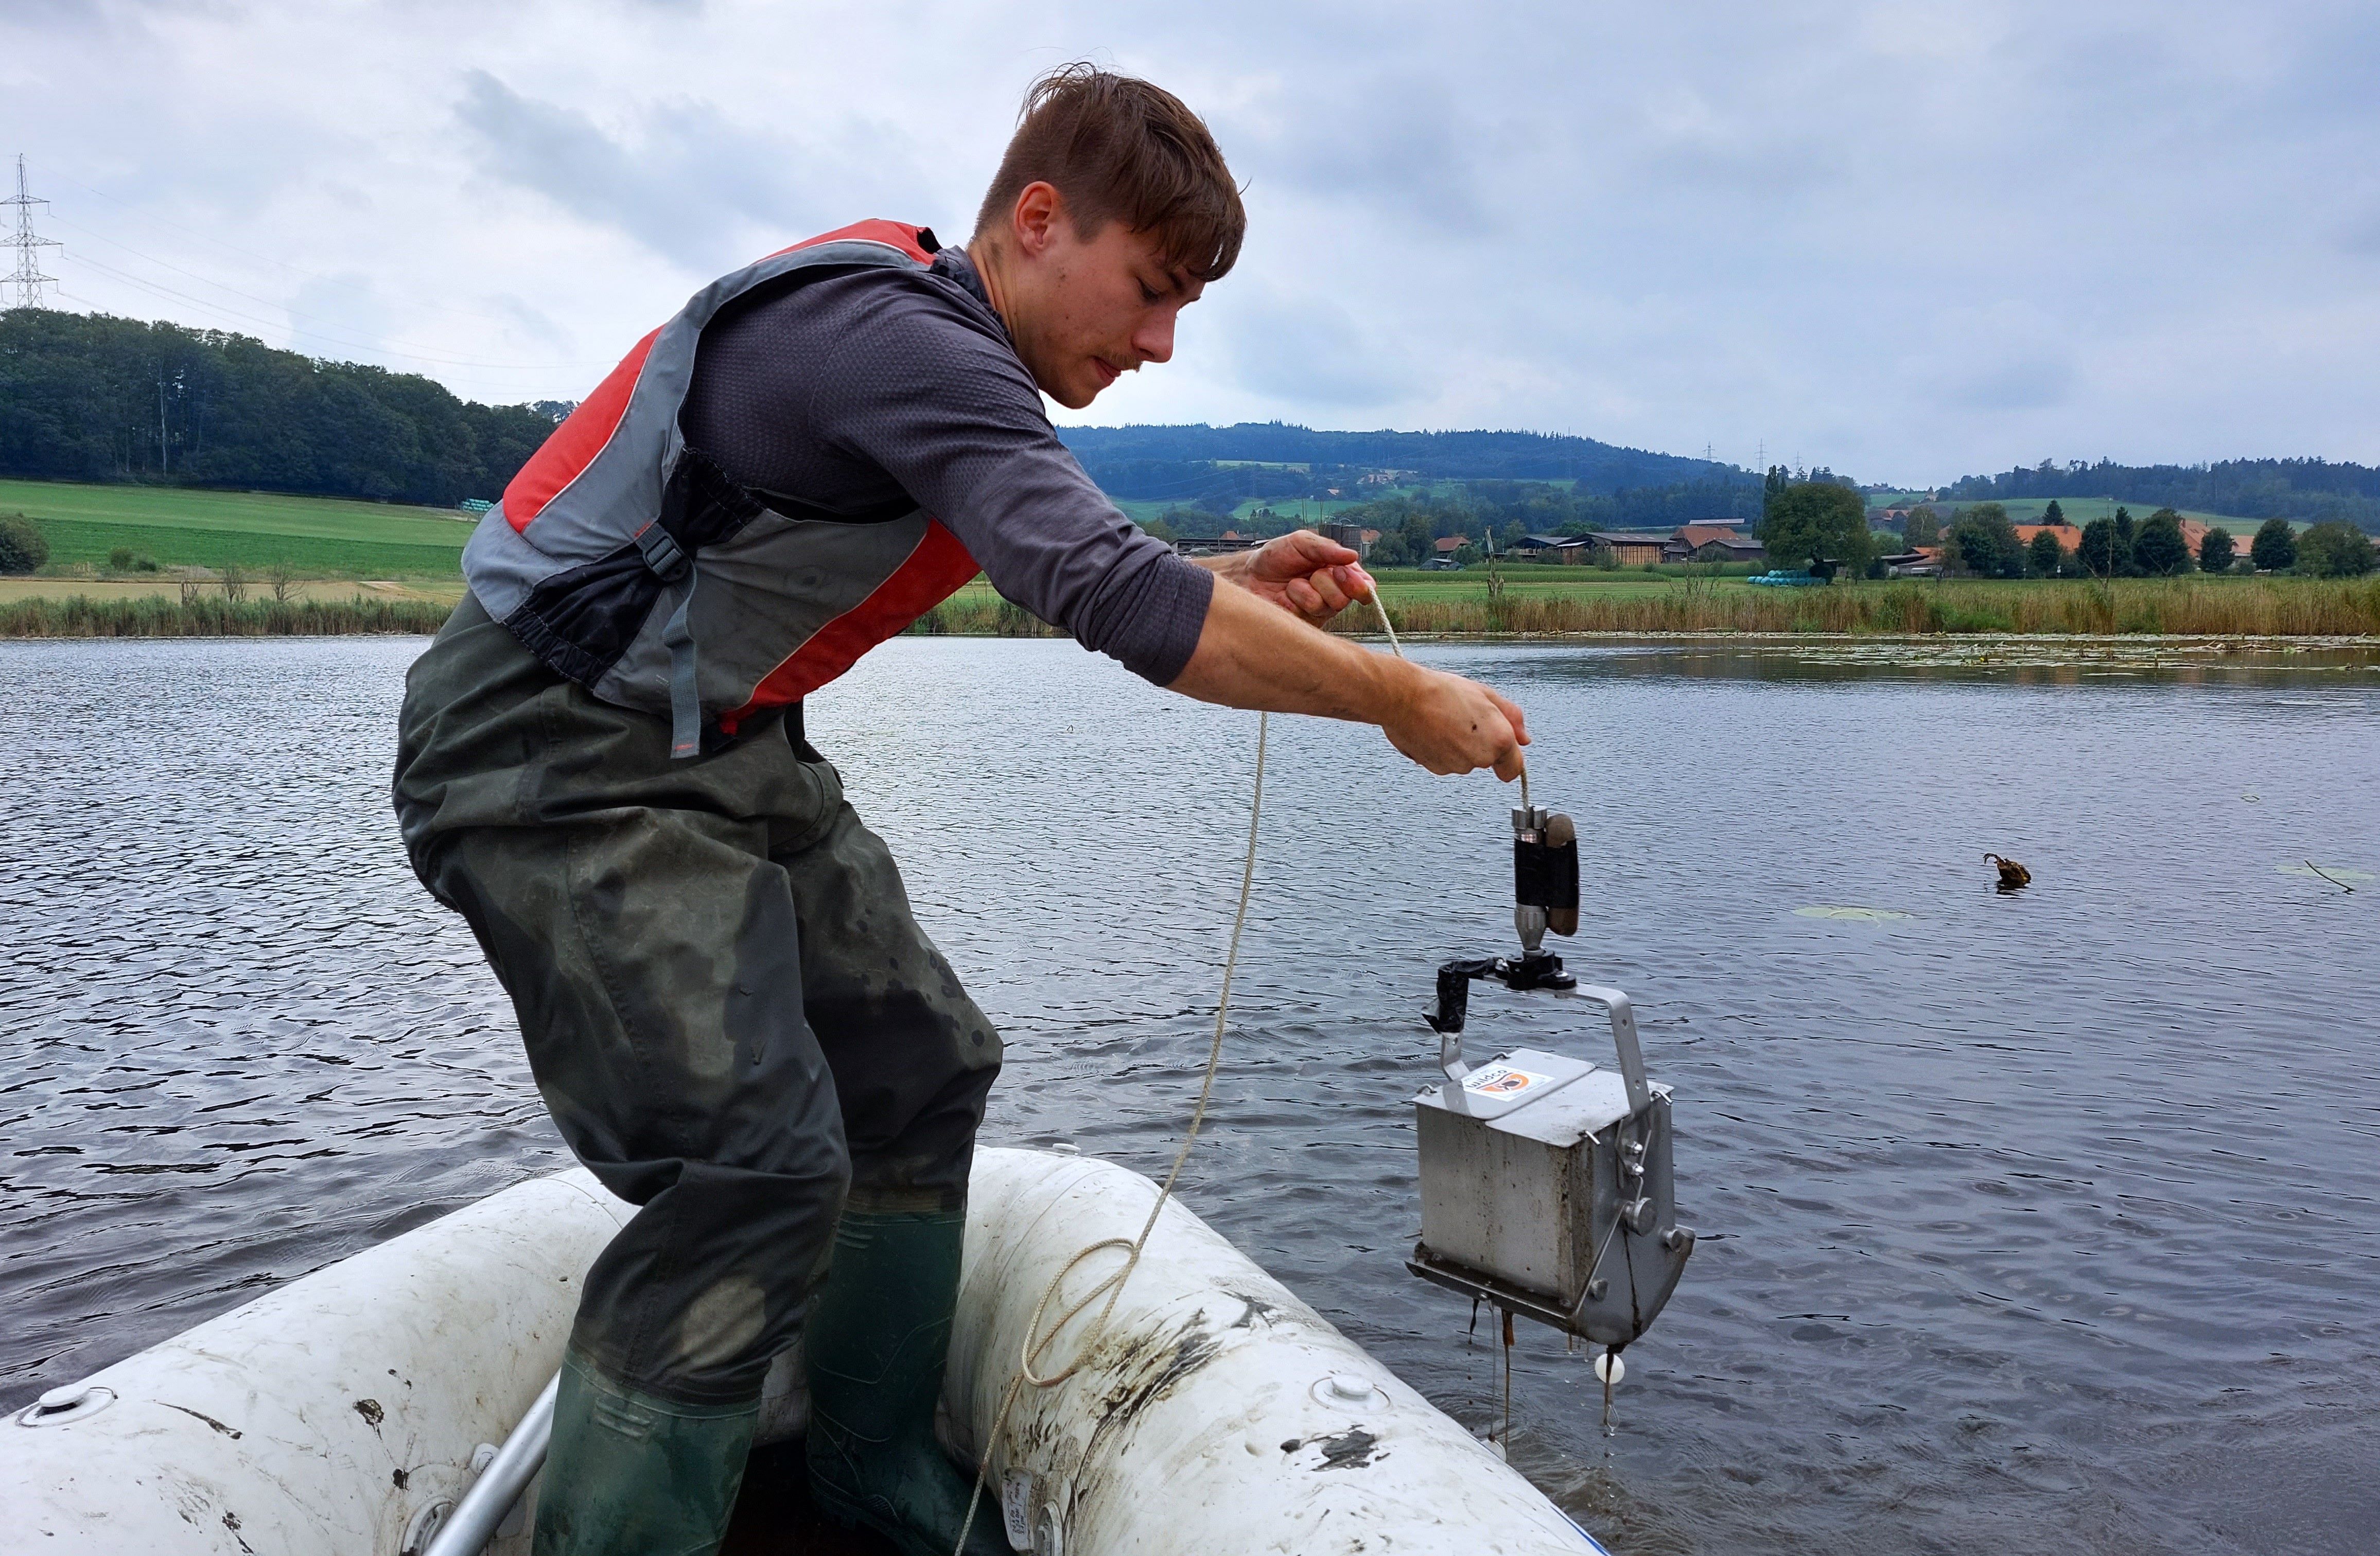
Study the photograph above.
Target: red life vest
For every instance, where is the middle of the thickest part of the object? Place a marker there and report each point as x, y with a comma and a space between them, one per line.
635, 567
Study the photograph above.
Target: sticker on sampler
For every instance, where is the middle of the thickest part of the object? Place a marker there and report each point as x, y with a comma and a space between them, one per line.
1502, 1081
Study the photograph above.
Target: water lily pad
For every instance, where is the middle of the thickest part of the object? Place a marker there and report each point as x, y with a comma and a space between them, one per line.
2333, 872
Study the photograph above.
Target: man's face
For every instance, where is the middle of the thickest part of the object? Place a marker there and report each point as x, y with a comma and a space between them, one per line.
1086, 311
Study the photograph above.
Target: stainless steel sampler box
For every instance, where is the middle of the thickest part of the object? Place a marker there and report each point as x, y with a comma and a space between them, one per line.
1546, 1182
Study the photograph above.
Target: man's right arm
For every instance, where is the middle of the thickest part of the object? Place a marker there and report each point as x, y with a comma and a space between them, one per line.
1253, 654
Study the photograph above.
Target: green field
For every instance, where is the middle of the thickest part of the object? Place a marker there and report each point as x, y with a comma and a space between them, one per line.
1306, 510
2083, 510
1550, 581
179, 527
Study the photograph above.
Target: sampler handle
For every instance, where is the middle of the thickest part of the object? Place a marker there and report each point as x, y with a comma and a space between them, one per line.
1623, 1038
1453, 997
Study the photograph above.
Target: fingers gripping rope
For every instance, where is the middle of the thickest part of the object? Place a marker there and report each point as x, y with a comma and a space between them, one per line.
1111, 1287
1399, 650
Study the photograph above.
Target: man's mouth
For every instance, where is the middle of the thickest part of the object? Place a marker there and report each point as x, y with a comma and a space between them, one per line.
1109, 371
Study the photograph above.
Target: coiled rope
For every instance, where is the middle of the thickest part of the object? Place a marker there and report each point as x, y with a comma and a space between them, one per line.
1110, 1287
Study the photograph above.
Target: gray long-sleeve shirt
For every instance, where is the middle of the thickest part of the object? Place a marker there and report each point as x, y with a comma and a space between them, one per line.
855, 388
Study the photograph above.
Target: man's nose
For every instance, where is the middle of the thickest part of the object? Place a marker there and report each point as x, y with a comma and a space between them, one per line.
1154, 339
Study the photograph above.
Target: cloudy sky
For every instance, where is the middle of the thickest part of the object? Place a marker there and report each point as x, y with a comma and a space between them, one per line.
1908, 240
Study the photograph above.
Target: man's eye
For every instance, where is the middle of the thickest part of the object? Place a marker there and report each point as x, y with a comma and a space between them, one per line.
1146, 294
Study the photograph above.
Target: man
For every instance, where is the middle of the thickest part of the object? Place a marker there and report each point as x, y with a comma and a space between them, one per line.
731, 1013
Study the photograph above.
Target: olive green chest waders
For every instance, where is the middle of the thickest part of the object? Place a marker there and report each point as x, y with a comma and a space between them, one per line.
739, 1027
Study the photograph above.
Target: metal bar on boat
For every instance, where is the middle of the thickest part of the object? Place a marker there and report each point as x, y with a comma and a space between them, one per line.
477, 1517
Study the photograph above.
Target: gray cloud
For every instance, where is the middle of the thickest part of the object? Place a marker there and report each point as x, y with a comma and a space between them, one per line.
1910, 237
692, 182
1307, 349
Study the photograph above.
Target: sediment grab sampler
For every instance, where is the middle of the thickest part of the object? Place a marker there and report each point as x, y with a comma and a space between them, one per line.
1548, 1190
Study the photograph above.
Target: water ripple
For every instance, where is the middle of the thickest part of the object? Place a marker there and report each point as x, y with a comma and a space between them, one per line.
2036, 1221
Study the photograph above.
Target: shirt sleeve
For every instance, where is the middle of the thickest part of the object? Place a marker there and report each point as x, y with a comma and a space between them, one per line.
917, 383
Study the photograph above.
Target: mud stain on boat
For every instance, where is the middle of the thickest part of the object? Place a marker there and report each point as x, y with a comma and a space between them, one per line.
232, 1432
1146, 1368
370, 1411
1259, 1312
1350, 1449
1143, 1368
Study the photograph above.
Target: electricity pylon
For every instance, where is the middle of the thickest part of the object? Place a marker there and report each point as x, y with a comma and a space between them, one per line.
28, 244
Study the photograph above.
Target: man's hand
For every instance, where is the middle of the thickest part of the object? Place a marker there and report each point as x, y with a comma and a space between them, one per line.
1311, 578
1252, 655
1450, 725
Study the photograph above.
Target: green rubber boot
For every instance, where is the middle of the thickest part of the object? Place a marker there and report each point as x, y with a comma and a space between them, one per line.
876, 1341
629, 1475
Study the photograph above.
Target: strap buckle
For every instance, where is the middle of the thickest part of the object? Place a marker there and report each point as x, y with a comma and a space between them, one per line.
661, 552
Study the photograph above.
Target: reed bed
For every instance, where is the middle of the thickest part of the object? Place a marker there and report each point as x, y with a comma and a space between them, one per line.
980, 613
2275, 608
2259, 607
160, 616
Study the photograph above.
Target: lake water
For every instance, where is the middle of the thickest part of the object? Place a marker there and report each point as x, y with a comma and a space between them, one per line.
2041, 1221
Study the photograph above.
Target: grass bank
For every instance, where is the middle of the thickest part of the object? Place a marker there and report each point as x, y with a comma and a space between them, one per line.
2210, 606
157, 616
181, 526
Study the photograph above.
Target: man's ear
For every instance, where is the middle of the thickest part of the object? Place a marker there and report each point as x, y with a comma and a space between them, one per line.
1040, 209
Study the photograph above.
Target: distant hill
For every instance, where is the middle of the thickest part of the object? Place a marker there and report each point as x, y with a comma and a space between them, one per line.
89, 397
2304, 489
1187, 463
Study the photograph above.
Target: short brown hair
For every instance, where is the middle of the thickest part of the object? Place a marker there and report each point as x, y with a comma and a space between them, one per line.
1119, 149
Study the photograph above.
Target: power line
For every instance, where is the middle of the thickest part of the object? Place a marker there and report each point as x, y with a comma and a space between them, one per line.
161, 290
294, 321
28, 277
143, 214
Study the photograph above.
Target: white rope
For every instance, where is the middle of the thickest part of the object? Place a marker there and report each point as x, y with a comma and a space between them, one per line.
1111, 1287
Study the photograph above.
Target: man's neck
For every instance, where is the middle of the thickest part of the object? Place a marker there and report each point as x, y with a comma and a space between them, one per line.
991, 268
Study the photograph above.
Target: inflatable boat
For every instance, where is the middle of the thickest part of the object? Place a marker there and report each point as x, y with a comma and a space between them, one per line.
351, 1412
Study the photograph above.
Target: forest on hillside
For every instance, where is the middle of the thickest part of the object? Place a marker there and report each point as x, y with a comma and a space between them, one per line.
1186, 464
2312, 490
90, 397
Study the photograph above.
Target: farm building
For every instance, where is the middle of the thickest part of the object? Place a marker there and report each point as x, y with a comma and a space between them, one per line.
2068, 537
1702, 531
1631, 549
1356, 537
1569, 549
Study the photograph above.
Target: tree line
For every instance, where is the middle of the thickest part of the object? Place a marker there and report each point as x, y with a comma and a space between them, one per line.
2293, 489
1411, 523
90, 397
1824, 525
1980, 542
